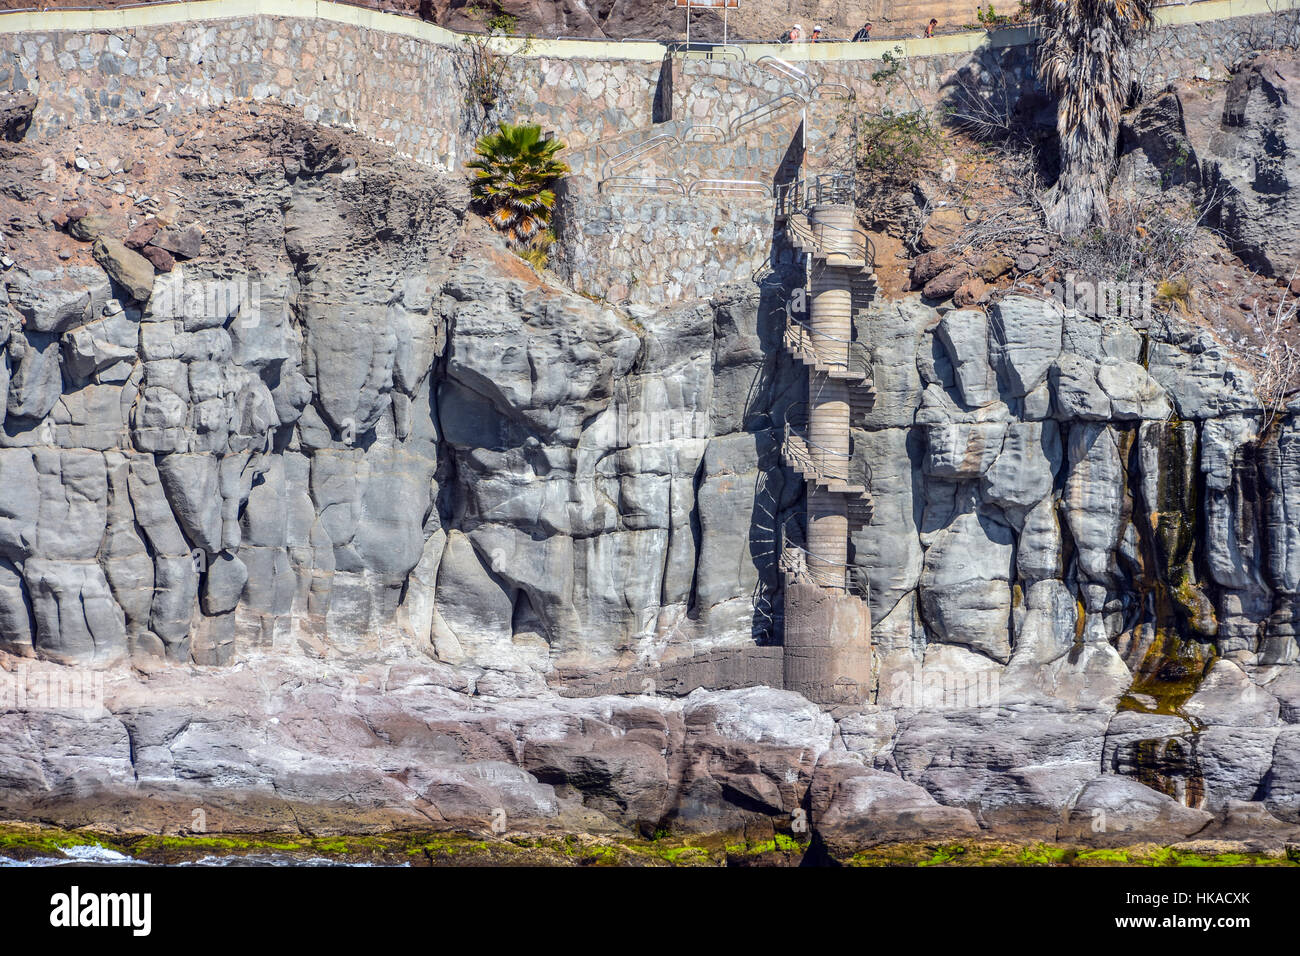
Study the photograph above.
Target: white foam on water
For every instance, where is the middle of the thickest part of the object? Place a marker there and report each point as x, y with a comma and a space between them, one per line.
92, 855
88, 855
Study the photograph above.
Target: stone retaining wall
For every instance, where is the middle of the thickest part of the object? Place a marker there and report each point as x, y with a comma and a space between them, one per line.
659, 249
399, 82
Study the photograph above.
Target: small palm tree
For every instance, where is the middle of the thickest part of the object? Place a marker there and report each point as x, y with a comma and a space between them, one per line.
1084, 60
515, 175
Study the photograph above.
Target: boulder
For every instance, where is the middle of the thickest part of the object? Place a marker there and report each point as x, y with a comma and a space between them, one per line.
944, 227
128, 269
89, 226
965, 585
76, 618
854, 807
972, 291
1155, 153
995, 266
1026, 340
139, 236
965, 336
1113, 811
160, 259
183, 243
946, 283
928, 265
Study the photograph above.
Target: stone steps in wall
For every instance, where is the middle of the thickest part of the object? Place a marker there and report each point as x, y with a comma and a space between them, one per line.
836, 486
861, 402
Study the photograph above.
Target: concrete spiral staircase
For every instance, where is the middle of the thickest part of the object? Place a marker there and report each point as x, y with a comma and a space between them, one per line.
827, 621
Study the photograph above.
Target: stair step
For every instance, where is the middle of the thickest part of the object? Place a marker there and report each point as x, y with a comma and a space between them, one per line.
841, 487
838, 260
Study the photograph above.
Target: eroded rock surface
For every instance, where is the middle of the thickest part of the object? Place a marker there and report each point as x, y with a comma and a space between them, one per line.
389, 525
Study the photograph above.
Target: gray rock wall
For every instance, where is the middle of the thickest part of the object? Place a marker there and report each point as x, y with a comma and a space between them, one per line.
399, 434
252, 439
1073, 482
351, 427
351, 422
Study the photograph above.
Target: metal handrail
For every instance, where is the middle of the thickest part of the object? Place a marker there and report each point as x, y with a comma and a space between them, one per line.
762, 111
690, 135
729, 185
817, 570
857, 359
801, 459
655, 183
718, 135
839, 89
819, 333
711, 50
859, 582
817, 190
625, 156
809, 236
691, 189
786, 69
830, 189
797, 426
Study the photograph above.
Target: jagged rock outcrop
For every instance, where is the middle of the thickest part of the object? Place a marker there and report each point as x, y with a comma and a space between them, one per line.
1156, 154
1250, 167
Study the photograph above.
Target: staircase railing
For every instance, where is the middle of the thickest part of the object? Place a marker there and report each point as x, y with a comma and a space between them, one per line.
705, 50
704, 133
828, 464
749, 186
847, 356
755, 115
804, 567
833, 189
847, 467
803, 234
648, 183
634, 152
785, 69
701, 133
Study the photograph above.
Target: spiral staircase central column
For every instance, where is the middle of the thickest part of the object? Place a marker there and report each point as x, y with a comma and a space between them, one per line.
827, 647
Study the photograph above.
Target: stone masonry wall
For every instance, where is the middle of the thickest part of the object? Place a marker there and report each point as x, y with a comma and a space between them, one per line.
403, 91
406, 92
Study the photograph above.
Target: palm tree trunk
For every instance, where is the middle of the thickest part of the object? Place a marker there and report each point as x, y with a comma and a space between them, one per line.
1084, 60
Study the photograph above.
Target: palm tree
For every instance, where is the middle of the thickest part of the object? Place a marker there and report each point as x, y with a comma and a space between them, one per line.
514, 182
1084, 59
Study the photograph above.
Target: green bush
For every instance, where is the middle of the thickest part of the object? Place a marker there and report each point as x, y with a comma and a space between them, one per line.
896, 146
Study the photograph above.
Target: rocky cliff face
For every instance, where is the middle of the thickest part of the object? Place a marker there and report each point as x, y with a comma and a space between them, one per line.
361, 499
343, 421
1036, 448
1250, 165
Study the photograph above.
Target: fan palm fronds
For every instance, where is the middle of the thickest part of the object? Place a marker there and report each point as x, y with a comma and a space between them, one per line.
514, 180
